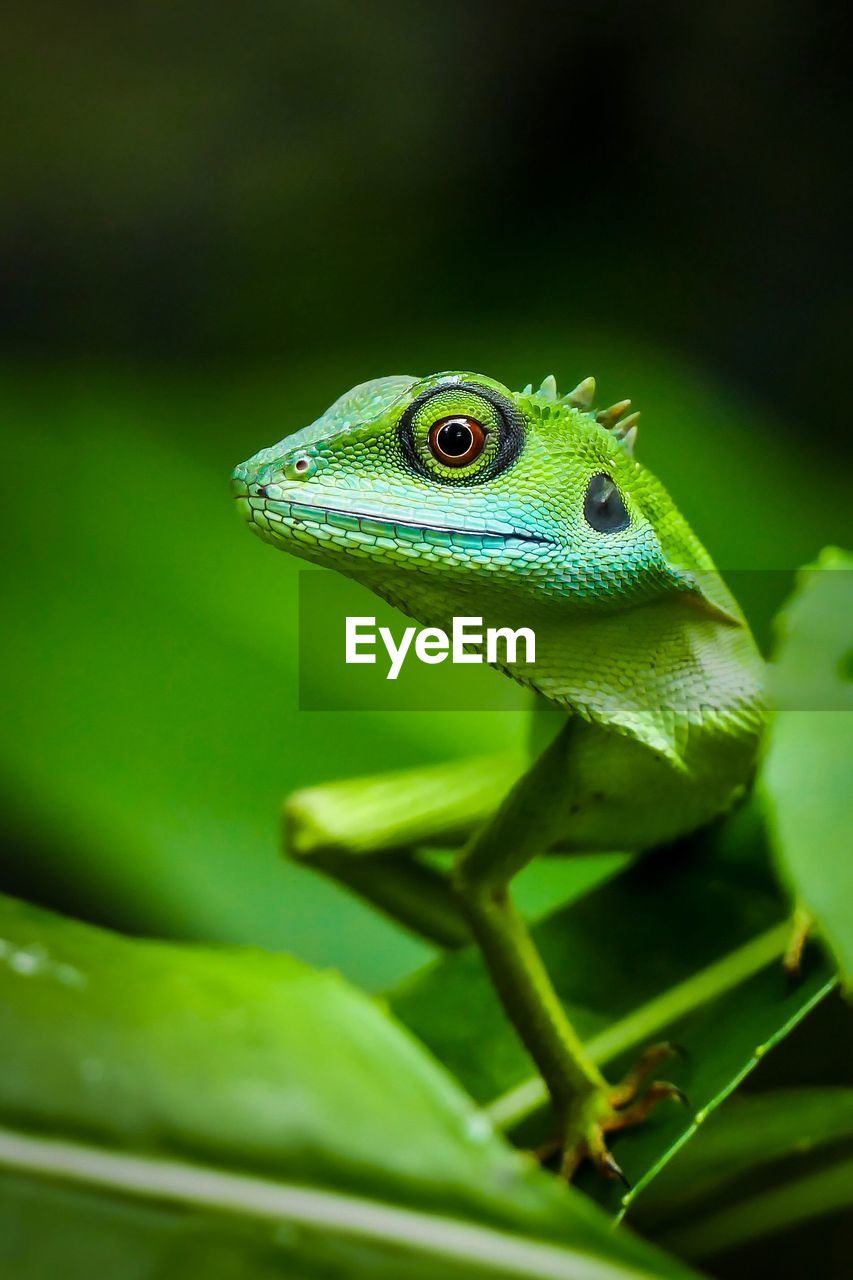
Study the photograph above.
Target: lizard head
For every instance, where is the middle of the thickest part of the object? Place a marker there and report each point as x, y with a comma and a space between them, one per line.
455, 485
452, 495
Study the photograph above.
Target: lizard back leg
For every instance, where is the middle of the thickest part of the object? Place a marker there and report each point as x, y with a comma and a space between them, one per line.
366, 833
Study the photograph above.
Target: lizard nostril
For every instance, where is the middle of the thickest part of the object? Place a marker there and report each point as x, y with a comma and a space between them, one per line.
262, 490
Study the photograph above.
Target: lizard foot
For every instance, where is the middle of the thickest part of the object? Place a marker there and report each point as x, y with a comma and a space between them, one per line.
620, 1107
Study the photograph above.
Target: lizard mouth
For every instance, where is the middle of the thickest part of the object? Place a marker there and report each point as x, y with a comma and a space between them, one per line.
371, 525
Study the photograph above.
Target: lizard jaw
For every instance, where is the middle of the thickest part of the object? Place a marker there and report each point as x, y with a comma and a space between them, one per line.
283, 516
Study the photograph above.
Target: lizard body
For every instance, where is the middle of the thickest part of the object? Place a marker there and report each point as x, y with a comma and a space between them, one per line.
453, 496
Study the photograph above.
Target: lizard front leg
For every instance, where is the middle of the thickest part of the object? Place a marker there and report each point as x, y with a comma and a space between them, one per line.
529, 821
365, 833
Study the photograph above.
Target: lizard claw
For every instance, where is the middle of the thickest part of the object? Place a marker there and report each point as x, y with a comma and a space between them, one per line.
611, 1169
636, 1112
629, 1089
622, 1107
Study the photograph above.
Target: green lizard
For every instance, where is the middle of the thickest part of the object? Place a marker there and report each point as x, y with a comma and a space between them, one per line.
451, 495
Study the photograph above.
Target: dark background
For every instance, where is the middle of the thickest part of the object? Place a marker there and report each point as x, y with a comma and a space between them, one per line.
217, 181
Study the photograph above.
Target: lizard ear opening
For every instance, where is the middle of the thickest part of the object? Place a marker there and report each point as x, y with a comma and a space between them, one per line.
697, 591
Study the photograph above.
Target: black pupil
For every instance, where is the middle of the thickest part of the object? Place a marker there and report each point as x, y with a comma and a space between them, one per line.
603, 507
455, 438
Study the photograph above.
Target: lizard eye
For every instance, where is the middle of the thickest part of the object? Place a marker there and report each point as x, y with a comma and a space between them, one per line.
457, 441
603, 507
460, 433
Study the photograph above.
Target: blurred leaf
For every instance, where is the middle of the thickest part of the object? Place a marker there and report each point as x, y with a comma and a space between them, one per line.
805, 780
237, 1096
749, 1133
685, 946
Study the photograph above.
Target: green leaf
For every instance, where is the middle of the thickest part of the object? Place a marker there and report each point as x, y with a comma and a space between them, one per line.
686, 946
189, 1098
805, 780
748, 1134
